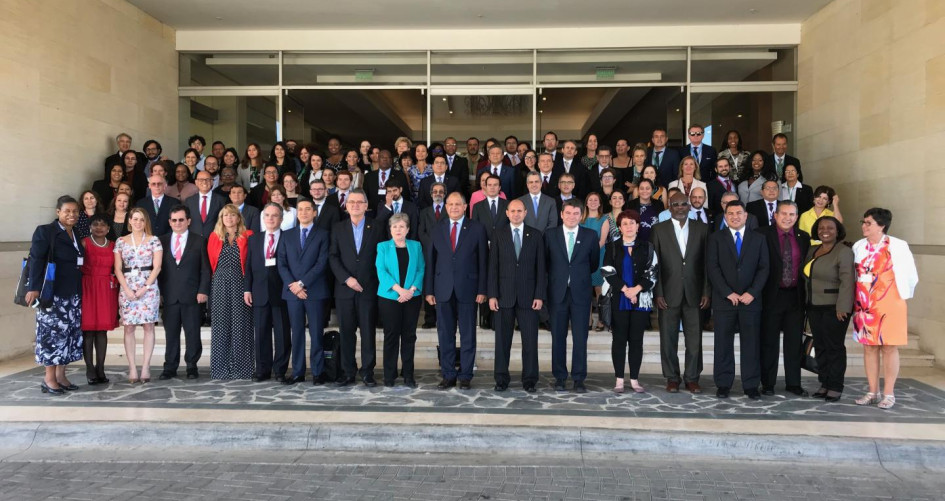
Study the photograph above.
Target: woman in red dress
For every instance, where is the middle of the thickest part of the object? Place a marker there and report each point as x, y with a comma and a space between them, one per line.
99, 298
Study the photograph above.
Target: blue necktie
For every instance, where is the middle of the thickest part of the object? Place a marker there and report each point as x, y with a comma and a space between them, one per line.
517, 242
738, 243
536, 205
396, 207
494, 211
304, 236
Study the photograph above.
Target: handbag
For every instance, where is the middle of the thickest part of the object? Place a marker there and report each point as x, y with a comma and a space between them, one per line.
808, 362
49, 278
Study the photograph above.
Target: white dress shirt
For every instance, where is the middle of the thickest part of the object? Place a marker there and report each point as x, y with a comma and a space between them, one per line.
682, 235
183, 243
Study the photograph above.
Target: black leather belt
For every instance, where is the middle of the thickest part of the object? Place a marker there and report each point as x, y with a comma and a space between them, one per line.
143, 268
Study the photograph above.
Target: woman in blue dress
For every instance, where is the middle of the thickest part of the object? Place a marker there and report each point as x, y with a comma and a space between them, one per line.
595, 219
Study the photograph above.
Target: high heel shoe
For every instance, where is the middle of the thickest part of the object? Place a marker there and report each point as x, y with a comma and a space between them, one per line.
68, 387
821, 393
52, 391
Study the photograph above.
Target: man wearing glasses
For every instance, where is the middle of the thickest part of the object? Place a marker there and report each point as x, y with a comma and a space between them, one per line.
704, 154
205, 205
604, 156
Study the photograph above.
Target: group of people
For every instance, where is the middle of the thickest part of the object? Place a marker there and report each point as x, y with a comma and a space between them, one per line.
537, 241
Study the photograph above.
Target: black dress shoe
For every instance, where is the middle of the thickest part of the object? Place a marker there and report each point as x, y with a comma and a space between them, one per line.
410, 383
722, 392
52, 391
832, 396
320, 380
260, 379
341, 383
465, 384
446, 384
821, 393
293, 380
103, 380
192, 374
796, 390
167, 375
389, 384
370, 382
579, 387
501, 387
530, 388
545, 326
767, 391
280, 379
93, 381
559, 386
752, 393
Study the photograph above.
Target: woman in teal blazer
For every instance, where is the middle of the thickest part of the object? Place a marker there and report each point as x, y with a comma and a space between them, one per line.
400, 268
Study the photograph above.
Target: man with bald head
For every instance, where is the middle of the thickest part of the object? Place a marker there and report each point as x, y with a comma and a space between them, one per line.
206, 204
158, 206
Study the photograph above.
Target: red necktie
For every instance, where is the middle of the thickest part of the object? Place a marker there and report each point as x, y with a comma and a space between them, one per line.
383, 178
436, 212
271, 248
453, 236
544, 184
178, 251
728, 185
203, 209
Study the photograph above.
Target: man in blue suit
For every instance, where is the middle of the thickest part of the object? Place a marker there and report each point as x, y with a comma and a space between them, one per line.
455, 282
499, 167
665, 159
572, 255
303, 265
704, 154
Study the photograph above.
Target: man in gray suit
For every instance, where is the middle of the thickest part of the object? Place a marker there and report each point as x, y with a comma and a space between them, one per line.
205, 206
539, 208
681, 291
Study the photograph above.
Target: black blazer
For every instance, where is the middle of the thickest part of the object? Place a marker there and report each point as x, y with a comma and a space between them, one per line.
250, 217
328, 215
729, 272
345, 260
105, 193
408, 208
460, 170
759, 209
668, 168
776, 265
255, 195
804, 198
517, 281
643, 273
116, 157
482, 212
715, 190
706, 160
552, 188
65, 255
682, 277
160, 224
506, 177
372, 181
180, 283
264, 282
215, 203
427, 222
788, 160
424, 199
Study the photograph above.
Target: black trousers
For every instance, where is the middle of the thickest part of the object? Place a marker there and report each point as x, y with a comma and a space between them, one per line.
429, 314
400, 335
504, 321
94, 344
829, 348
358, 314
187, 316
628, 329
690, 316
271, 324
748, 324
785, 315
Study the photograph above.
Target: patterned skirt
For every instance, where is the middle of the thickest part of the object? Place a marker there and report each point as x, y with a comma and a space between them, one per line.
59, 332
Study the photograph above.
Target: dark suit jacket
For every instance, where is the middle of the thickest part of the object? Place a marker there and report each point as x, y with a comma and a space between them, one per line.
346, 261
408, 208
580, 173
517, 281
116, 157
776, 264
717, 219
255, 195
507, 177
180, 283
729, 272
68, 277
462, 272
308, 265
424, 199
552, 189
706, 160
427, 222
759, 209
215, 203
160, 223
482, 212
250, 217
804, 198
460, 170
714, 198
788, 160
584, 261
669, 164
105, 193
681, 277
264, 282
328, 215
372, 182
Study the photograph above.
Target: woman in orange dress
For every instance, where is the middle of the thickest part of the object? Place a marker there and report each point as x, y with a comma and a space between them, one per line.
885, 277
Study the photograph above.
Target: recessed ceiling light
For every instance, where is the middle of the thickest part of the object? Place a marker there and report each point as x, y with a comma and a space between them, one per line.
541, 111
543, 98
677, 110
444, 99
752, 11
739, 115
451, 112
289, 111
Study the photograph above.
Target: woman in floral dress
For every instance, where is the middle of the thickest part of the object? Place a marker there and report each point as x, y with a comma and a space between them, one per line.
137, 265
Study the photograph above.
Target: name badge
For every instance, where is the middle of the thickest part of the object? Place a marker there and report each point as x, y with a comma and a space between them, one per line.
866, 278
271, 262
382, 191
79, 261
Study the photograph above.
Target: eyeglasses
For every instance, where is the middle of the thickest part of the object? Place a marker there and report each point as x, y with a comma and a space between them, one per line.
606, 177
695, 134
178, 220
679, 204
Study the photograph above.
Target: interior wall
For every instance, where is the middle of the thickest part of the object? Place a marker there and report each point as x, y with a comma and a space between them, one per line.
871, 123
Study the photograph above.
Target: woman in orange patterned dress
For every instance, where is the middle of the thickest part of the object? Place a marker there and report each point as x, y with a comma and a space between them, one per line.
885, 277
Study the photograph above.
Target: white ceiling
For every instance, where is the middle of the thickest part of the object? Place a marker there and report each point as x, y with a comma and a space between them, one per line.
438, 14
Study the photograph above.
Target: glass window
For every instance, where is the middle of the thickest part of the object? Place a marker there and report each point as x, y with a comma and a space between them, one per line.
232, 68
481, 68
758, 64
482, 116
611, 66
339, 68
235, 120
755, 115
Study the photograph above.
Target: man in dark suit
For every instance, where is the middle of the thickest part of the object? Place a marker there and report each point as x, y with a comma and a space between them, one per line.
571, 164
704, 154
429, 218
571, 256
339, 199
765, 209
302, 260
262, 286
784, 300
458, 166
540, 209
499, 168
718, 221
491, 211
548, 176
517, 290
185, 283
455, 282
352, 257
205, 206
123, 141
158, 206
440, 175
604, 158
549, 145
326, 215
394, 204
375, 181
666, 160
250, 214
719, 185
779, 158
681, 292
737, 263
565, 193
